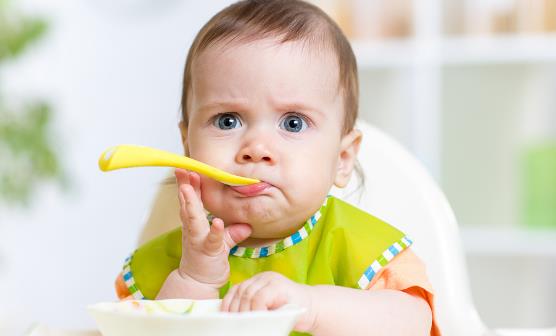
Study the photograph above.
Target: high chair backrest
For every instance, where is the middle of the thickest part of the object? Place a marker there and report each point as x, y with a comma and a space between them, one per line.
399, 190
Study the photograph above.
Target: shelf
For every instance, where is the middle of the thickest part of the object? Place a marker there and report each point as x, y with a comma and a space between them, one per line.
383, 54
499, 49
509, 242
456, 51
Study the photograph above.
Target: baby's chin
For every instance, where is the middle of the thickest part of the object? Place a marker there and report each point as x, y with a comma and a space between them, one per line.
265, 226
258, 220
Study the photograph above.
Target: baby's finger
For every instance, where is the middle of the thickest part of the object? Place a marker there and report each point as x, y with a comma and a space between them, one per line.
236, 233
252, 292
214, 244
234, 303
195, 181
273, 299
240, 291
263, 298
225, 306
195, 222
183, 209
233, 298
182, 176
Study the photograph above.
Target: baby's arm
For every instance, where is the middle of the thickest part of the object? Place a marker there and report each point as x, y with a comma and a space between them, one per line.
401, 290
347, 311
334, 310
398, 299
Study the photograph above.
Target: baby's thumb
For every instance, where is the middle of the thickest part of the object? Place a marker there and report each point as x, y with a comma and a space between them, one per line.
236, 233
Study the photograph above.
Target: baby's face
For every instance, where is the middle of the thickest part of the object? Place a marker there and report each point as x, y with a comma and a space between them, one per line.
272, 112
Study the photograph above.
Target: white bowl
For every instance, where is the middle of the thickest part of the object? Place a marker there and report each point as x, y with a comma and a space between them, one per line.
189, 317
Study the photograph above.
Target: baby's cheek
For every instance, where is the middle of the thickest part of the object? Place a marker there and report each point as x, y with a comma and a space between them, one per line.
210, 194
309, 189
310, 179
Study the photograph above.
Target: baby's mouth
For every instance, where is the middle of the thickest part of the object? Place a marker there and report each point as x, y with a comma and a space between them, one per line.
252, 189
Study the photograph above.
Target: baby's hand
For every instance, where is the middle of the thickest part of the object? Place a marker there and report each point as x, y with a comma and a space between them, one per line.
271, 290
205, 247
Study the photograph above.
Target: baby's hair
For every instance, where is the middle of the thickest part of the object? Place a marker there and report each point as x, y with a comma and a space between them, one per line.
285, 20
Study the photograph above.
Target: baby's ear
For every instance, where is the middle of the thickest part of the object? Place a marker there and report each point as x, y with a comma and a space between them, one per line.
349, 147
183, 131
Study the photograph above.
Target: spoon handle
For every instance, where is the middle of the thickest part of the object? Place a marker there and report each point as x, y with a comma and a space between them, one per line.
127, 156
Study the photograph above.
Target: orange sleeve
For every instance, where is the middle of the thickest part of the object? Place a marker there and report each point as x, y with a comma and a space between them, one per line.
407, 273
121, 288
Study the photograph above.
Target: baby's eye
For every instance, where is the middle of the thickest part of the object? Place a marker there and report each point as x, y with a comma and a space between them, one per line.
293, 123
227, 121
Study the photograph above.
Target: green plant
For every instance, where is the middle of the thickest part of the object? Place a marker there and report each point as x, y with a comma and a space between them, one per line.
27, 156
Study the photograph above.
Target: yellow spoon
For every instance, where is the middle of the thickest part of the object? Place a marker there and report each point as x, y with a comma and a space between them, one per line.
127, 156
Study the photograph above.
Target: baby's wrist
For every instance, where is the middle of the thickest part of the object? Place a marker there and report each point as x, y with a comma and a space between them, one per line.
310, 319
186, 287
198, 282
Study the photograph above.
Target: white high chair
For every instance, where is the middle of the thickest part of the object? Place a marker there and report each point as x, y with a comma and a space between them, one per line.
400, 191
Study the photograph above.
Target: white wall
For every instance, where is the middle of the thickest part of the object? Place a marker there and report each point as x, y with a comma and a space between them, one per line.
113, 75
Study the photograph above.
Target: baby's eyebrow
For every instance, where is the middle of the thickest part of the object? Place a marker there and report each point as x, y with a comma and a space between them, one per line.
224, 105
299, 107
233, 106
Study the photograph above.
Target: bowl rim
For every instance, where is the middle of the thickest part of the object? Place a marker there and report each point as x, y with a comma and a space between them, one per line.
102, 308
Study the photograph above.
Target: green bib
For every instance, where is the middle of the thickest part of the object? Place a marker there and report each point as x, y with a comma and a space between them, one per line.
339, 245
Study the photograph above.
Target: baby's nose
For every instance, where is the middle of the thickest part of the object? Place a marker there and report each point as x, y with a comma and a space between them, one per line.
256, 152
247, 157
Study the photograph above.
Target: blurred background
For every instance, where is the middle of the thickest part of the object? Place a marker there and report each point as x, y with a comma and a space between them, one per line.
468, 86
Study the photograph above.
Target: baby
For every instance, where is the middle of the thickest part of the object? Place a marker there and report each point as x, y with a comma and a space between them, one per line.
270, 91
